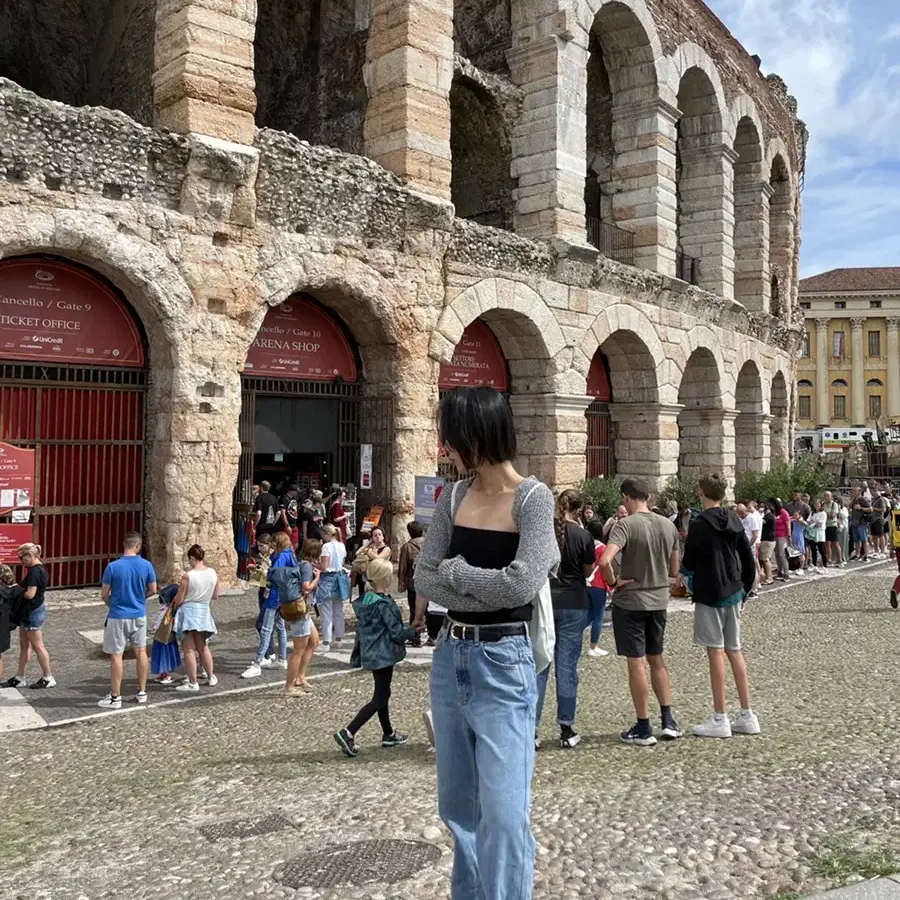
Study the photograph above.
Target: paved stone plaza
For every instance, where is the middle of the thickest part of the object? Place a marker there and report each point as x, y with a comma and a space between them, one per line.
218, 797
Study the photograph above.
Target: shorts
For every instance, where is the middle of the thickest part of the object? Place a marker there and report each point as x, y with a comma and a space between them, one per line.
861, 533
301, 628
717, 626
831, 534
639, 632
118, 633
878, 528
295, 537
766, 549
33, 619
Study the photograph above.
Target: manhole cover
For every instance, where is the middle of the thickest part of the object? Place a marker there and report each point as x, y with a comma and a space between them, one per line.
244, 828
359, 863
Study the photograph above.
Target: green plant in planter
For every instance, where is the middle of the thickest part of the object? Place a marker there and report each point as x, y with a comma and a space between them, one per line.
603, 494
680, 489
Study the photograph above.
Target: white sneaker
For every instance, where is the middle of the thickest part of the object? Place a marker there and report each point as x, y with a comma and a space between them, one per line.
164, 679
272, 657
252, 671
190, 687
337, 644
110, 702
212, 681
596, 651
323, 648
745, 724
282, 664
713, 729
141, 697
201, 673
267, 663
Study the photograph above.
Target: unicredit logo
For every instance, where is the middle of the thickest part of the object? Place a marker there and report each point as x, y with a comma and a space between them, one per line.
286, 308
41, 275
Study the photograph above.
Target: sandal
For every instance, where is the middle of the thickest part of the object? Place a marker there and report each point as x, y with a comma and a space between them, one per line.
764, 583
293, 694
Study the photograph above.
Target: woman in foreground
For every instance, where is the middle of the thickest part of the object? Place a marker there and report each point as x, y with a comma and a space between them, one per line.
488, 552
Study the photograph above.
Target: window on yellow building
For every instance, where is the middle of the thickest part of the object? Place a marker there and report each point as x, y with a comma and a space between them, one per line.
840, 406
804, 407
837, 344
874, 343
875, 406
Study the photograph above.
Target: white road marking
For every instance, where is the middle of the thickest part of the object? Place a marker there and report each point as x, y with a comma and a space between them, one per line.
16, 713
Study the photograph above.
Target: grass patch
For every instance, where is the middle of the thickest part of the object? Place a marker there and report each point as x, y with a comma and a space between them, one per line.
841, 864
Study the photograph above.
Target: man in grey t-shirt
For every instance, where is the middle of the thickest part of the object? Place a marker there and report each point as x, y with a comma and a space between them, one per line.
648, 543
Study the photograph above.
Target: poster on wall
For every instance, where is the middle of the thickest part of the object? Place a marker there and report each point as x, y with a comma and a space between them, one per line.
365, 466
477, 361
57, 314
16, 479
11, 538
298, 339
428, 492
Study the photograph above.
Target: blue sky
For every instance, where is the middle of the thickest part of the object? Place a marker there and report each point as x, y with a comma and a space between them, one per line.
841, 60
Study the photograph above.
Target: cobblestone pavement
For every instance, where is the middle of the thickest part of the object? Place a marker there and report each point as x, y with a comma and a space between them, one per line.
220, 798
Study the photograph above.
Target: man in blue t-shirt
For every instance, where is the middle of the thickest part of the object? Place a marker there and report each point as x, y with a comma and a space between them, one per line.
127, 583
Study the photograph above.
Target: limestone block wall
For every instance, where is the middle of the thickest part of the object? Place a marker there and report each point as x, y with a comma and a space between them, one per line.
205, 235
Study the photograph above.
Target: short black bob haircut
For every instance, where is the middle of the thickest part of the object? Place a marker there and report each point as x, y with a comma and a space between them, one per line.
478, 424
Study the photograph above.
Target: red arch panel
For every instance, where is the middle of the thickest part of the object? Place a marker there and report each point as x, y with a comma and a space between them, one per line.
59, 314
298, 339
477, 361
598, 385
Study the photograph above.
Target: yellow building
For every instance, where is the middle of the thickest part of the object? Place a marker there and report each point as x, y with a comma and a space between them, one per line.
849, 372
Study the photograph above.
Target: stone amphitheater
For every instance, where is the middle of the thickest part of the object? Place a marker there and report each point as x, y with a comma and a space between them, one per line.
593, 205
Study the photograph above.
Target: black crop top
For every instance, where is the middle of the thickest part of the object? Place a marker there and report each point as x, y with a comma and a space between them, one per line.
486, 549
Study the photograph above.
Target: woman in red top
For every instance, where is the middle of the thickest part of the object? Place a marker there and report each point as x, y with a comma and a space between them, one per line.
339, 517
782, 536
598, 591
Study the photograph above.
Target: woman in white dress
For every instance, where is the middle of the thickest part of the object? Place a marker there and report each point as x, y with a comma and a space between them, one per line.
194, 623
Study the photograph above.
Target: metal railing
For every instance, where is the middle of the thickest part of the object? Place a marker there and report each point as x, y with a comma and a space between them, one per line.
687, 268
611, 241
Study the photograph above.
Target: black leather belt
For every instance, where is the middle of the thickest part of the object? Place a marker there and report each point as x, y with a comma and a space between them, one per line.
487, 634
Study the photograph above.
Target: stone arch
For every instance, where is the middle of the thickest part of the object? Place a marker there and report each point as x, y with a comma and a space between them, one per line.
781, 235
82, 54
692, 56
751, 424
188, 353
779, 408
481, 187
631, 345
751, 239
703, 176
702, 337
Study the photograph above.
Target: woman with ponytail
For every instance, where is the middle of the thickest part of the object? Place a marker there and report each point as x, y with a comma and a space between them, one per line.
570, 614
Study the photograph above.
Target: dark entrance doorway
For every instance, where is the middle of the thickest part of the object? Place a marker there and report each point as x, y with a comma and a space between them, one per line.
73, 388
305, 415
600, 460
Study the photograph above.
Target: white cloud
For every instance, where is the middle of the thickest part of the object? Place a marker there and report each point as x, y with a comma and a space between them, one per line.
834, 57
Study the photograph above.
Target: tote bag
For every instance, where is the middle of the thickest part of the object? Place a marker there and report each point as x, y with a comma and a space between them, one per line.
541, 629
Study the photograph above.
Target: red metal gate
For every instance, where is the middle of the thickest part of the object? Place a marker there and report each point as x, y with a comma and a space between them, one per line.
599, 443
87, 428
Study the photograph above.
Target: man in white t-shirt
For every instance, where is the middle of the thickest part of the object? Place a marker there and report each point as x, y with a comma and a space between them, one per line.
752, 522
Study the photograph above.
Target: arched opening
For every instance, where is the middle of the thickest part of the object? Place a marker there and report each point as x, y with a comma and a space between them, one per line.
309, 61
751, 432
620, 74
600, 454
698, 209
781, 237
482, 33
481, 186
702, 442
778, 408
478, 361
83, 54
750, 249
624, 368
73, 379
307, 416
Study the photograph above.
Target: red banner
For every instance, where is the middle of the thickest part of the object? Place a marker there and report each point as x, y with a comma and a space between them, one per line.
11, 538
300, 340
477, 361
16, 478
56, 313
598, 385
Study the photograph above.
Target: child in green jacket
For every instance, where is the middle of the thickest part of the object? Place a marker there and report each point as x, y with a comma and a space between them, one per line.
380, 645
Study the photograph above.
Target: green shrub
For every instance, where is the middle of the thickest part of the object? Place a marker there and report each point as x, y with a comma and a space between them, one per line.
680, 489
603, 494
805, 475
